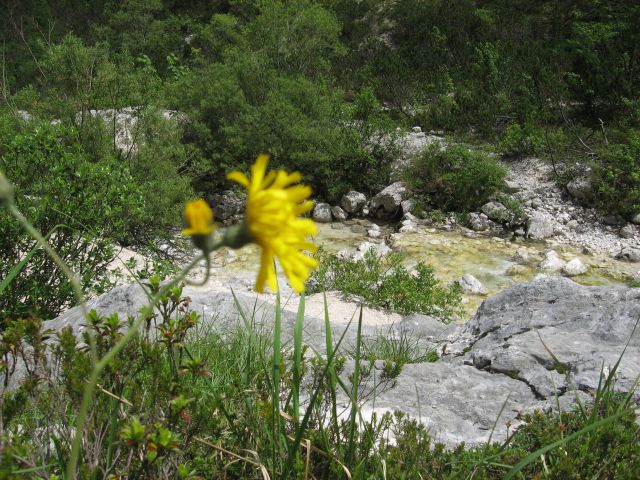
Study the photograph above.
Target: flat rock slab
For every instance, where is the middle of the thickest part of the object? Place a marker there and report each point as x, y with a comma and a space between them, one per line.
457, 403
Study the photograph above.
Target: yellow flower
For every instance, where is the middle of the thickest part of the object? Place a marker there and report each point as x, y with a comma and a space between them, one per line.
199, 218
272, 219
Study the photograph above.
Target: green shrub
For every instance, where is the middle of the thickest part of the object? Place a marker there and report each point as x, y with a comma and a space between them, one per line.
520, 141
617, 178
455, 178
399, 349
82, 205
385, 283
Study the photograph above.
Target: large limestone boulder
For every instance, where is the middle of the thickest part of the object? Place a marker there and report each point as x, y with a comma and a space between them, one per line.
491, 369
353, 202
585, 327
388, 202
539, 226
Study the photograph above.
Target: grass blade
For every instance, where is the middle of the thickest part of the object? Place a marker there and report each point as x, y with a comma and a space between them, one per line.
297, 359
354, 394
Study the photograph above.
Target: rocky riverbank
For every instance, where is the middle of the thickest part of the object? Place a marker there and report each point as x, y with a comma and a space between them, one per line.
536, 345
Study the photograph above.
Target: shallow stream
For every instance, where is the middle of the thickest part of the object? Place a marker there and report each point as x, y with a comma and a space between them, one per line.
452, 254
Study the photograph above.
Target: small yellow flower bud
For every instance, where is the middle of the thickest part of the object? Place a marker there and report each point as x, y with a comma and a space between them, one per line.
199, 219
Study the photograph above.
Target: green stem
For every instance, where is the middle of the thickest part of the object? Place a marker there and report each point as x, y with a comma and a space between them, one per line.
73, 279
104, 361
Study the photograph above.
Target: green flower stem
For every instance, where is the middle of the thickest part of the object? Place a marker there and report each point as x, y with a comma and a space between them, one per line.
71, 276
104, 361
75, 283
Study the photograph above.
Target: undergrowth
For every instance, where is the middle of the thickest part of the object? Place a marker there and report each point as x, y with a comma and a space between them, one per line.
384, 282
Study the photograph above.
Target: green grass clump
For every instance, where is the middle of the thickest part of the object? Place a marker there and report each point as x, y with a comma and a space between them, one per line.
384, 282
400, 349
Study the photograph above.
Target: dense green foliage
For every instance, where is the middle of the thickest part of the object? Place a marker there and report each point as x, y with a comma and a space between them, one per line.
385, 283
617, 177
64, 194
456, 178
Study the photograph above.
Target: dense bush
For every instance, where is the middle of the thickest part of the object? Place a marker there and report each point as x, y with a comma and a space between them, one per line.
520, 141
384, 282
83, 206
617, 178
455, 178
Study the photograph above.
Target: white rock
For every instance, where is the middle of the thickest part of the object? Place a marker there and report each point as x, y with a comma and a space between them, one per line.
551, 261
521, 255
539, 226
408, 228
636, 219
470, 284
627, 231
574, 267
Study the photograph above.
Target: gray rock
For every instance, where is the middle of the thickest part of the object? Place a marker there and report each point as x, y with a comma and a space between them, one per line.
551, 261
407, 206
359, 229
496, 211
636, 219
512, 186
388, 202
478, 222
470, 284
627, 231
566, 218
536, 203
423, 326
521, 255
584, 327
581, 188
611, 220
322, 212
408, 227
573, 224
338, 214
629, 254
416, 129
539, 226
226, 205
374, 233
574, 267
353, 202
358, 253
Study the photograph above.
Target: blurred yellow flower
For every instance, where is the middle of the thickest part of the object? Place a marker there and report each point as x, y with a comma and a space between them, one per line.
198, 217
272, 220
